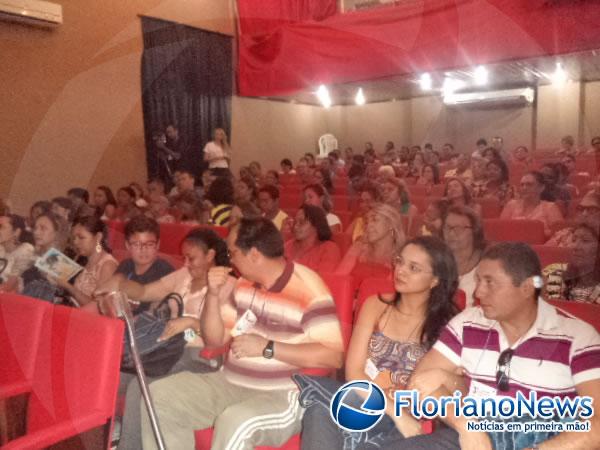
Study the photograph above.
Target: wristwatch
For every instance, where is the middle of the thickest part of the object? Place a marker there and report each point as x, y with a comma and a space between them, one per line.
268, 351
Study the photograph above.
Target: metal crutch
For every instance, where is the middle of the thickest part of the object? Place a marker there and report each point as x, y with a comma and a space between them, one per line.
121, 307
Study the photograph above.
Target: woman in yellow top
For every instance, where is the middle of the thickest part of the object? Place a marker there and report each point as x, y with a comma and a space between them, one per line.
368, 195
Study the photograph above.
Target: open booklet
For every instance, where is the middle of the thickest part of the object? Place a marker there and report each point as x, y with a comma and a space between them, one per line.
57, 264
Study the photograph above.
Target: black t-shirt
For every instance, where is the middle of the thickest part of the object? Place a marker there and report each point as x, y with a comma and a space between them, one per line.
157, 270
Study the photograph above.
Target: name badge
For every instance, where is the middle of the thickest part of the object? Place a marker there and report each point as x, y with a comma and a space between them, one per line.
244, 323
371, 369
189, 335
481, 390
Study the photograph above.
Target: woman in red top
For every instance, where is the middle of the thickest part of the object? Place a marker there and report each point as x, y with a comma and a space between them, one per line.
311, 245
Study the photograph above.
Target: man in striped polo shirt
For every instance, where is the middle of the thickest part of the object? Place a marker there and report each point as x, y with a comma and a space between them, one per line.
514, 341
279, 317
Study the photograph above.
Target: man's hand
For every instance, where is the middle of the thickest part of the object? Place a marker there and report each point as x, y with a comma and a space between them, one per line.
248, 345
427, 381
217, 277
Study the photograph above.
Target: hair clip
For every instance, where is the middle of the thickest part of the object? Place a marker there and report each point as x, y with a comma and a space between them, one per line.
538, 283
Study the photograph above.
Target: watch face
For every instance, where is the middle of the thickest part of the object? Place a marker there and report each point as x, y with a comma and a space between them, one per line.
268, 351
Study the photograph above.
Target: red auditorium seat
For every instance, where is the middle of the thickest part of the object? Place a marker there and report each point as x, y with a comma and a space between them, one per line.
588, 312
528, 231
345, 217
490, 208
75, 381
342, 292
551, 255
343, 240
290, 201
116, 234
341, 202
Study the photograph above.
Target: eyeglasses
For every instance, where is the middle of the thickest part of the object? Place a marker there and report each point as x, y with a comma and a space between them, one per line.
150, 245
456, 228
415, 269
503, 370
587, 209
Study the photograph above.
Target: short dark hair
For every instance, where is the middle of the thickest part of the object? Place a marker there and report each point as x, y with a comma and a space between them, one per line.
481, 141
318, 219
479, 242
286, 162
18, 223
435, 170
518, 260
466, 191
142, 224
128, 190
449, 145
188, 171
271, 190
260, 233
221, 192
207, 239
81, 193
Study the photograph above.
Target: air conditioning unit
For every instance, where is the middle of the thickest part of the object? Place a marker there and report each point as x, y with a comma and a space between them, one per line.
507, 97
31, 12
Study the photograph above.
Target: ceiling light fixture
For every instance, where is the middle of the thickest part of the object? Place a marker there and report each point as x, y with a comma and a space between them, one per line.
323, 96
559, 77
451, 85
481, 76
426, 82
360, 97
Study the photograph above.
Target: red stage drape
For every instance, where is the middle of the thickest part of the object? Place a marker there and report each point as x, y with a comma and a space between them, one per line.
283, 48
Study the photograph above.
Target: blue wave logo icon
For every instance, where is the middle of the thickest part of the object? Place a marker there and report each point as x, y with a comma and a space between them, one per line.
370, 409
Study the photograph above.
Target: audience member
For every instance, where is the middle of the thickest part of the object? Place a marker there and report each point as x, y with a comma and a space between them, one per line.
433, 218
530, 205
463, 232
156, 186
126, 206
158, 209
104, 202
479, 177
89, 241
430, 176
368, 195
567, 146
63, 207
221, 197
49, 231
185, 182
496, 185
316, 195
311, 244
395, 193
370, 256
255, 380
391, 335
189, 210
286, 167
256, 172
80, 198
462, 171
16, 251
491, 154
246, 197
520, 158
416, 166
272, 178
268, 203
480, 147
322, 176
586, 213
578, 280
458, 194
555, 191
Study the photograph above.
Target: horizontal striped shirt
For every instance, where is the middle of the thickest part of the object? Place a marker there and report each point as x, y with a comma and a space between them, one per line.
556, 354
297, 309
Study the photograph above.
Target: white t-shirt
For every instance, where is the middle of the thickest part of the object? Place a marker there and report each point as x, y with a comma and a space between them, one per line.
468, 284
333, 220
213, 150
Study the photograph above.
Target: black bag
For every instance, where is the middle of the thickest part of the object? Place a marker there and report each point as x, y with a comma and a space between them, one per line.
158, 358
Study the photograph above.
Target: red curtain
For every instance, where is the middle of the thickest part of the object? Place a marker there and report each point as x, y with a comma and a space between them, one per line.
286, 49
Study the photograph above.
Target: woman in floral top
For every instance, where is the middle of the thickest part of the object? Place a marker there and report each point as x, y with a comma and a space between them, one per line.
497, 185
579, 280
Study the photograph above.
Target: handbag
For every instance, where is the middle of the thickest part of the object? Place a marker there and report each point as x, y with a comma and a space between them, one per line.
158, 357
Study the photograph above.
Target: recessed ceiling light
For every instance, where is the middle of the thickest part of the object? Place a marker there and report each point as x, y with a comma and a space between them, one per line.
481, 76
425, 82
360, 97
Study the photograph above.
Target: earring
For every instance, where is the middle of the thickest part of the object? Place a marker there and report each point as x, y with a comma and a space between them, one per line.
98, 247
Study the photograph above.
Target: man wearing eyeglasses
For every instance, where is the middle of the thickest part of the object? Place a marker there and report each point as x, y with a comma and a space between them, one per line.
513, 342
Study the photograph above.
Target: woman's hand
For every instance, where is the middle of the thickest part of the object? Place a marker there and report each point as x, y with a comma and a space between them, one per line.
176, 326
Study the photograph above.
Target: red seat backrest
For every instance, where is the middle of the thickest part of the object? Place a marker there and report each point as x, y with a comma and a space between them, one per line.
343, 240
588, 312
490, 208
116, 234
551, 255
77, 369
21, 320
340, 202
500, 230
290, 201
343, 295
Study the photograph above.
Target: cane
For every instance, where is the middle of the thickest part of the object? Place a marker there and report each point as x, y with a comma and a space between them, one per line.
121, 307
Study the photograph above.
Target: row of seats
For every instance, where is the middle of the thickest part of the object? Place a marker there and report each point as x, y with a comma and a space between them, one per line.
59, 374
